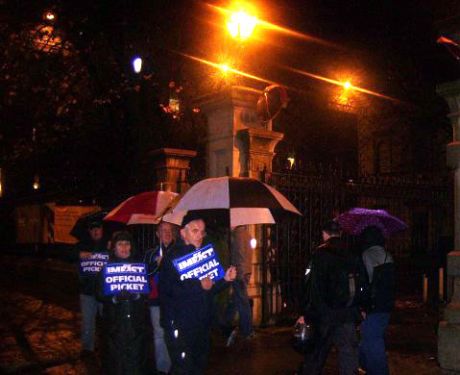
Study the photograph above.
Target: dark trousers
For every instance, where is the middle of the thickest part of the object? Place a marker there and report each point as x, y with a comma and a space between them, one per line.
372, 347
188, 350
343, 336
239, 302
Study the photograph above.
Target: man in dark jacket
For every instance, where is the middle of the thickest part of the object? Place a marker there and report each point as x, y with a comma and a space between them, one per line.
331, 305
87, 282
166, 235
186, 305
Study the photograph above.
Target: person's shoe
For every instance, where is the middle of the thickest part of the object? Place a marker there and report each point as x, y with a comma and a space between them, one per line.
231, 338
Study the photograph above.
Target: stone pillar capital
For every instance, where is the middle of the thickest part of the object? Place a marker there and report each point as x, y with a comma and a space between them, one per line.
260, 148
171, 166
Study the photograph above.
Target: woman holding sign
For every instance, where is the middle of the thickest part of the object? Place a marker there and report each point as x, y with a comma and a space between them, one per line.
122, 285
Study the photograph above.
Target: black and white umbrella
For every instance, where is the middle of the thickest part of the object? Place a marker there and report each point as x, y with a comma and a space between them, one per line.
243, 200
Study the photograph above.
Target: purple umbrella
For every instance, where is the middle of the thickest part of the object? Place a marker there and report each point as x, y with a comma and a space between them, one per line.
357, 219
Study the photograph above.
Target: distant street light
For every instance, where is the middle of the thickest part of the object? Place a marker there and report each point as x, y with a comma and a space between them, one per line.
49, 16
36, 184
347, 85
241, 25
137, 65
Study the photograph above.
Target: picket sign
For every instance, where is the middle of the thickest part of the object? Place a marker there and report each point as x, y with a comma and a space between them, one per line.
200, 264
131, 277
93, 264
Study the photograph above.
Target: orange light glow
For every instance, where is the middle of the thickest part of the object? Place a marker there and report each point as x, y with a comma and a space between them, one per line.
338, 83
347, 85
228, 69
225, 68
229, 13
241, 25
50, 16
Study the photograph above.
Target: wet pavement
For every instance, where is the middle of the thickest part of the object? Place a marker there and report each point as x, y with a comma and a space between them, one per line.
41, 322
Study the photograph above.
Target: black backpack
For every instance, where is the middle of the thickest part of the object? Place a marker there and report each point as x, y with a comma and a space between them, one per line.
345, 283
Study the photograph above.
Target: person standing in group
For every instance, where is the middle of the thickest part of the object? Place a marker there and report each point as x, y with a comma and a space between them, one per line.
187, 305
123, 317
241, 258
87, 285
378, 301
166, 234
331, 304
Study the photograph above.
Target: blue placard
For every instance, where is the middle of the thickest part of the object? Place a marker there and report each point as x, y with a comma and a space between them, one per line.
200, 264
131, 277
93, 264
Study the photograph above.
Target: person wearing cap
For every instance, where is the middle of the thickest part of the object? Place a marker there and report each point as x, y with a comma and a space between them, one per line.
331, 303
87, 285
186, 305
123, 318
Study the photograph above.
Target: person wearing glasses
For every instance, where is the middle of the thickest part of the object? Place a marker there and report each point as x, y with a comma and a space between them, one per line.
186, 305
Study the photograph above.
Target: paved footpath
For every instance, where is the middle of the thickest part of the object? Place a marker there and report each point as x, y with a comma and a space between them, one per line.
40, 325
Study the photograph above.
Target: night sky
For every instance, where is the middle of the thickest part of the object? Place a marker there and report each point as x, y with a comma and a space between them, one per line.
87, 100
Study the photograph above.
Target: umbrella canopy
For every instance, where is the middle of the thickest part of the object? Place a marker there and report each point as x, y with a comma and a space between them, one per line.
357, 219
80, 229
143, 208
243, 200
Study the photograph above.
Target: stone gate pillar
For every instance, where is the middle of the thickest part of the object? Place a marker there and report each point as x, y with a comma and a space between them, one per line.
449, 328
240, 145
171, 166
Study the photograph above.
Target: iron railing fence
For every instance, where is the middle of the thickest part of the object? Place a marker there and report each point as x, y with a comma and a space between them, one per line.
426, 206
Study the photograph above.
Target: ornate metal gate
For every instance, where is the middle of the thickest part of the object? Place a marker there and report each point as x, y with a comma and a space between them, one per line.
424, 205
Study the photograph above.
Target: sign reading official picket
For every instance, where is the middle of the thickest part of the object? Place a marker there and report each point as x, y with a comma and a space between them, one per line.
131, 277
200, 264
93, 264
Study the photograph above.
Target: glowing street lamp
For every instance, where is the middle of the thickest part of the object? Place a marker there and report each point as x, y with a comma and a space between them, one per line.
49, 16
36, 184
241, 25
224, 69
347, 85
137, 65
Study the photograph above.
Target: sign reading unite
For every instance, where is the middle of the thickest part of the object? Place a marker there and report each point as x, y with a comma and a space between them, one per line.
131, 277
93, 264
199, 264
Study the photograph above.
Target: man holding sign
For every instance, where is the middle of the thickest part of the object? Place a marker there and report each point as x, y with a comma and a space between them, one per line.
190, 277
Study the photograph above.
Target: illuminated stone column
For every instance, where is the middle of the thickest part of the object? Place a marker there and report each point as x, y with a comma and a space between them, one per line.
449, 328
240, 145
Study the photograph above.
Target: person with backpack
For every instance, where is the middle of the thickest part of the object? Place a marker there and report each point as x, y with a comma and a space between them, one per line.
377, 301
331, 303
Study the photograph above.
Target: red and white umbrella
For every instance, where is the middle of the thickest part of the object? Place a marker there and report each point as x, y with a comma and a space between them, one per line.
243, 201
143, 208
